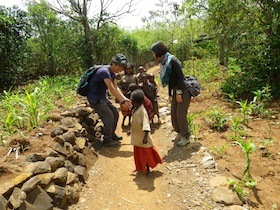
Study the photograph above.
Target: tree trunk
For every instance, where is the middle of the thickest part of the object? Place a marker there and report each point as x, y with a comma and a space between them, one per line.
223, 57
89, 43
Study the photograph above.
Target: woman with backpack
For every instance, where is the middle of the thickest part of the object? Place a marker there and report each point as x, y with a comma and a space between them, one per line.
171, 74
102, 80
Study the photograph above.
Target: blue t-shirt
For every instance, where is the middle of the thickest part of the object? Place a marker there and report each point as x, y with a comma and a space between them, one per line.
97, 86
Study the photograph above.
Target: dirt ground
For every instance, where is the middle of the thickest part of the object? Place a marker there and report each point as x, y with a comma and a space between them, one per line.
180, 182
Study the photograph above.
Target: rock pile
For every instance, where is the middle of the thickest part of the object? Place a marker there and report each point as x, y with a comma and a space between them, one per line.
52, 180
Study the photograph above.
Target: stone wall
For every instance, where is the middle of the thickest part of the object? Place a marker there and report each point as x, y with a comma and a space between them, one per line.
53, 180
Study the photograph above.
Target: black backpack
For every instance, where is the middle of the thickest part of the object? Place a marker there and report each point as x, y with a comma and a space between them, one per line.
192, 85
83, 86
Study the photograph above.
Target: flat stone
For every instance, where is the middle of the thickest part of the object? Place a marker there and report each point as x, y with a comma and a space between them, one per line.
30, 184
37, 199
3, 202
45, 178
225, 196
17, 197
39, 167
219, 181
21, 178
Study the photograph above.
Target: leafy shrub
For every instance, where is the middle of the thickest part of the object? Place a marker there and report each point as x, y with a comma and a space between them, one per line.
217, 119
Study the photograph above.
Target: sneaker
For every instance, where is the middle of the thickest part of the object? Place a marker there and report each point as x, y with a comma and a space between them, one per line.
111, 144
183, 141
115, 137
178, 137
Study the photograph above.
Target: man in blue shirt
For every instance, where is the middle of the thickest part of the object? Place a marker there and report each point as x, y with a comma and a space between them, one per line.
105, 79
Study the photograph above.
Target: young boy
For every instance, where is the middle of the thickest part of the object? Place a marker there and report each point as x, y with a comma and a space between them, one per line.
145, 154
151, 92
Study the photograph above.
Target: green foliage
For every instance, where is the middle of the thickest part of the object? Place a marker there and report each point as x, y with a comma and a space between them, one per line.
205, 70
119, 40
14, 32
245, 111
218, 152
217, 119
259, 102
235, 126
247, 149
250, 29
26, 108
194, 128
246, 180
238, 186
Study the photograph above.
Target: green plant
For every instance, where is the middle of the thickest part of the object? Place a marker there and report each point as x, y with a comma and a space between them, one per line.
246, 180
238, 187
218, 151
194, 129
245, 110
217, 119
258, 104
31, 106
231, 97
247, 148
235, 124
9, 122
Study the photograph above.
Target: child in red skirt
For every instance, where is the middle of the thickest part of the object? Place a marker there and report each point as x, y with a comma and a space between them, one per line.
145, 154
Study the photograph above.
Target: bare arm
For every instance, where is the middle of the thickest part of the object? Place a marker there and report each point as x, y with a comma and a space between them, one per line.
114, 89
145, 139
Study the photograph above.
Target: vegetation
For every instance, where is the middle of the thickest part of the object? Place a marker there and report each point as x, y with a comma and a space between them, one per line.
24, 109
51, 40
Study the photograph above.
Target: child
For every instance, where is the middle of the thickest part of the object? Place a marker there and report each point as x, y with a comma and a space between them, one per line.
151, 92
141, 70
147, 103
124, 86
152, 79
145, 154
129, 75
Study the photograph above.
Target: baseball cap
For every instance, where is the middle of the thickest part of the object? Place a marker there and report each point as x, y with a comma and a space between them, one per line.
120, 59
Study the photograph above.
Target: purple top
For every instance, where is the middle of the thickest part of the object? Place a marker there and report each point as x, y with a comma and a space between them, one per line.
97, 86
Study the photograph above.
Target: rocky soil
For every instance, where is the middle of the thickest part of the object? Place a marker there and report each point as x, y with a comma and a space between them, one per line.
191, 177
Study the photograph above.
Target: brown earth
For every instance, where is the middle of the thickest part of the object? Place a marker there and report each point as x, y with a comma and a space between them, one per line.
180, 182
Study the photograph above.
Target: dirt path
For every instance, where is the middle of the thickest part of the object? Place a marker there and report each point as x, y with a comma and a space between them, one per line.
114, 185
179, 183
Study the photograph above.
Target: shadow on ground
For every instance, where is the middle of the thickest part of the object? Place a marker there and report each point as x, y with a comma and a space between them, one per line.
146, 181
181, 153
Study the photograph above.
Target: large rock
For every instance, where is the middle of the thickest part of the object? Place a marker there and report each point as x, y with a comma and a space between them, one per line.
226, 196
37, 199
60, 176
55, 162
17, 197
30, 184
39, 167
3, 202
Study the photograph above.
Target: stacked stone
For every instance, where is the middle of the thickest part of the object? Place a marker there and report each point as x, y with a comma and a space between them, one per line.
53, 180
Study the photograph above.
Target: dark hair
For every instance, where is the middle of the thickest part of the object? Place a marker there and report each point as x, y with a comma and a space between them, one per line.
129, 65
119, 59
144, 75
159, 49
132, 86
137, 96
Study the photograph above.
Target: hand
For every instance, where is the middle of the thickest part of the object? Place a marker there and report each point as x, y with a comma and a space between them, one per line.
145, 141
179, 99
127, 105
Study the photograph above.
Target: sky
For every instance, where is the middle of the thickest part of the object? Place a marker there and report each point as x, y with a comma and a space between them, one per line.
129, 21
